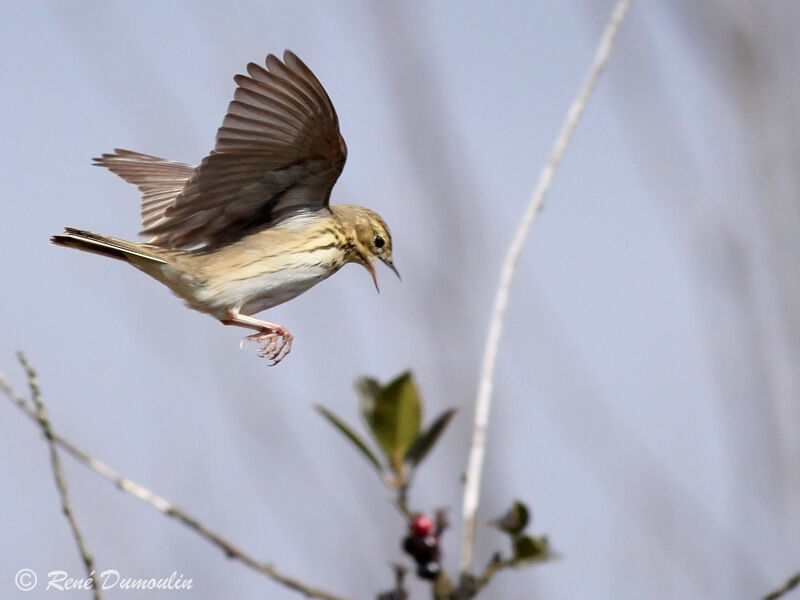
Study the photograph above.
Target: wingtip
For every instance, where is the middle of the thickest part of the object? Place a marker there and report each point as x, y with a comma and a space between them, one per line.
105, 157
62, 239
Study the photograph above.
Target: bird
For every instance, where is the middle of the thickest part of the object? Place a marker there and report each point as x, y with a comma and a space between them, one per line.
251, 226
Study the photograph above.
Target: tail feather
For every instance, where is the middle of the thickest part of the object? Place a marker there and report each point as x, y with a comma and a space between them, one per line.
103, 245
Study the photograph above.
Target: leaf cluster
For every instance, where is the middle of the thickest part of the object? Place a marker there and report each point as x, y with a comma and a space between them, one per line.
392, 414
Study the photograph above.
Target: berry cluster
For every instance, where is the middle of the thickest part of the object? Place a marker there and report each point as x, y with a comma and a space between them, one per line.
422, 543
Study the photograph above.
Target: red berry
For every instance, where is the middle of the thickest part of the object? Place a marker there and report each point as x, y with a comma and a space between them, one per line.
421, 525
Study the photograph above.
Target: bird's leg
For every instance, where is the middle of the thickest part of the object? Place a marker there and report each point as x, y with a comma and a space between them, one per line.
276, 339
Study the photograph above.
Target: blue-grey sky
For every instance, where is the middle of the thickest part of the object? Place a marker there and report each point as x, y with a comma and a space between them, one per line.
629, 412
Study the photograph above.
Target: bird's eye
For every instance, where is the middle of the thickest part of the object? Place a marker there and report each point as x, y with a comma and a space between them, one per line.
379, 241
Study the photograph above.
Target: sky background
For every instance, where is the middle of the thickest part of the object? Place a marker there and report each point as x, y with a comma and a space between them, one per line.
647, 394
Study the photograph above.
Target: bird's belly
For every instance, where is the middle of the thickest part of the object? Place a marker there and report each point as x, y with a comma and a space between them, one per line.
259, 292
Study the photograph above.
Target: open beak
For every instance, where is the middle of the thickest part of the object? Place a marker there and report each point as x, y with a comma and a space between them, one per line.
388, 262
371, 268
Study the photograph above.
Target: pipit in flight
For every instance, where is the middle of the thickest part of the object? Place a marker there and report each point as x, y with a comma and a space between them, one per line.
251, 227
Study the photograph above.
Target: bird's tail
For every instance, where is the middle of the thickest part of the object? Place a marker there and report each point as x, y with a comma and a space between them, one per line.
106, 246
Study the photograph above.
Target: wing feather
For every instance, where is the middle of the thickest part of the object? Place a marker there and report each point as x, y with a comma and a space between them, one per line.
159, 180
277, 152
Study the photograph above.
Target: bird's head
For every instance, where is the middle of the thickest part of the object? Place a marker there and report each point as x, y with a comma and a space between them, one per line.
369, 236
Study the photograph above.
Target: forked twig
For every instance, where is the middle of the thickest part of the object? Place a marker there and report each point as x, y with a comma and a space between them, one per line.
40, 414
142, 493
483, 400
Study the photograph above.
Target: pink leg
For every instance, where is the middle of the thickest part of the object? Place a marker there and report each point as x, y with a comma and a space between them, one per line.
276, 339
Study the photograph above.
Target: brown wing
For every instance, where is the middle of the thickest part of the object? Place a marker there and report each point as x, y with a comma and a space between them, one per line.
159, 180
278, 151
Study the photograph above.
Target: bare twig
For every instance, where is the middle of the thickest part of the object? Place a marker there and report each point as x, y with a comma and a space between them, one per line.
484, 397
9, 393
792, 583
399, 591
401, 500
495, 565
161, 504
58, 469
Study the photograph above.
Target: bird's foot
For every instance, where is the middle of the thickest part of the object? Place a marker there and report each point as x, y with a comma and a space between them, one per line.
276, 343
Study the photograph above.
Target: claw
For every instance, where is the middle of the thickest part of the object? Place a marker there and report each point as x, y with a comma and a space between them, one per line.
276, 344
275, 339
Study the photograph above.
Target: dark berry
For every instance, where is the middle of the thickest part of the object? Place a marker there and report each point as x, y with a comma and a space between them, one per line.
429, 570
409, 545
422, 549
421, 525
414, 545
428, 549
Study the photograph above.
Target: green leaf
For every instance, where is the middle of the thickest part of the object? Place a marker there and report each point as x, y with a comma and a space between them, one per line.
368, 388
515, 519
527, 548
393, 415
350, 435
427, 439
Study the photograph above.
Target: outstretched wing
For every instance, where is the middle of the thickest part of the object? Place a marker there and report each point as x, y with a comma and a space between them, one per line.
278, 151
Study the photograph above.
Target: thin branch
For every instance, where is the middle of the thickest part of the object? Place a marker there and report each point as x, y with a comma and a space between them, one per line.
787, 587
399, 591
166, 507
495, 565
58, 469
484, 396
20, 401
